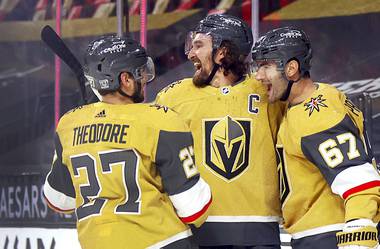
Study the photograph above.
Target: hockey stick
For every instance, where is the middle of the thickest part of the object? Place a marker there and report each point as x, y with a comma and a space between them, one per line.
56, 44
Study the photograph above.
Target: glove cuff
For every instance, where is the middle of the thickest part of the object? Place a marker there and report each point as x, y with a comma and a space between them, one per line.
357, 224
365, 236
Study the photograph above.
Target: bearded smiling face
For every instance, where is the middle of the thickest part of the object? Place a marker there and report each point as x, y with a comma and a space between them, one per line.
200, 55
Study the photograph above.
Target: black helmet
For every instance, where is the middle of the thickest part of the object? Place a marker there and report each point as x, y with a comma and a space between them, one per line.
108, 56
223, 28
282, 45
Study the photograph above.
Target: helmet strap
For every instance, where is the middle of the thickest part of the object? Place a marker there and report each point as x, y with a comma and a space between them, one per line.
136, 98
212, 74
214, 68
123, 93
286, 94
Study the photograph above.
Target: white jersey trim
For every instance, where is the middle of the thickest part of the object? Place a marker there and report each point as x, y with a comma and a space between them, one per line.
353, 177
58, 199
243, 219
172, 239
192, 200
318, 230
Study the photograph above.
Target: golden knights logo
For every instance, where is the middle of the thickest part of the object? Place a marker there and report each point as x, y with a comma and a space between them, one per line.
314, 104
227, 146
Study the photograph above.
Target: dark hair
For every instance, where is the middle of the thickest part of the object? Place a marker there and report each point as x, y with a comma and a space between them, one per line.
233, 62
304, 74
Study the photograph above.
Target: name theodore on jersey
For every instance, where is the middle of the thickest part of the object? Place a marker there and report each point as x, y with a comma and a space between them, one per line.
95, 133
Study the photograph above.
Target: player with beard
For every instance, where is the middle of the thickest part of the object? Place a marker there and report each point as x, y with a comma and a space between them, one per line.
131, 182
234, 130
330, 186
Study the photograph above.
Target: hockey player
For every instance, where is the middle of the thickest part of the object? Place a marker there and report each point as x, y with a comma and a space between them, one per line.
126, 169
329, 183
234, 129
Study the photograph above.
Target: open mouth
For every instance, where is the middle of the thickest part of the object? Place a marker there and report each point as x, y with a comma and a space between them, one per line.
269, 90
269, 87
197, 65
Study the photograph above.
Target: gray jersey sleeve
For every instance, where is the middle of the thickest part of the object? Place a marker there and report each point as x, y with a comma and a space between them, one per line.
59, 177
336, 149
174, 153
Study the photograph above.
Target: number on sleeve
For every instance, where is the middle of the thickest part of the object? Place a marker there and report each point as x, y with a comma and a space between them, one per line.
353, 151
331, 152
186, 155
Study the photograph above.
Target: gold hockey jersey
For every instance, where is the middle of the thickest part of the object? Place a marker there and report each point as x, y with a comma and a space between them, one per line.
325, 163
234, 130
122, 168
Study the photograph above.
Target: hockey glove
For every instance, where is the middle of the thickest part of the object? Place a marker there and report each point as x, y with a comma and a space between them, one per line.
358, 234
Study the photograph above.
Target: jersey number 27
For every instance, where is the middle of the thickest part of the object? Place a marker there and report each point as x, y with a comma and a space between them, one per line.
92, 203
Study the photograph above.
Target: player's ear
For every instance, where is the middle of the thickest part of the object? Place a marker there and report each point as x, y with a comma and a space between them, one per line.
126, 82
292, 69
220, 54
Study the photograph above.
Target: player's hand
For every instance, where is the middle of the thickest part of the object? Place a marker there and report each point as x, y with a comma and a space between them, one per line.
358, 234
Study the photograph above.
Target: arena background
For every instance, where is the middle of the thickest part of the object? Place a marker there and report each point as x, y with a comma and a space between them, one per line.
345, 37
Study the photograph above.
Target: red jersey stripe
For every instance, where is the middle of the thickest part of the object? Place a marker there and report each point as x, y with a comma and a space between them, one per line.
361, 187
195, 216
